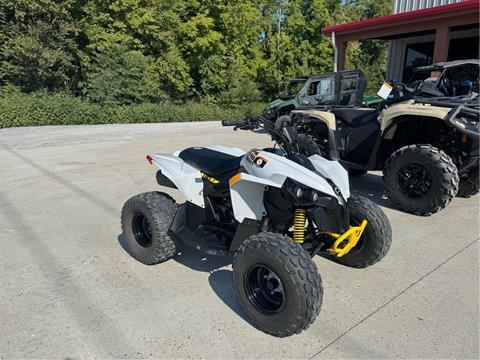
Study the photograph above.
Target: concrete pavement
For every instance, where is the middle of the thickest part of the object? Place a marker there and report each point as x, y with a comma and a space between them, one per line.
69, 290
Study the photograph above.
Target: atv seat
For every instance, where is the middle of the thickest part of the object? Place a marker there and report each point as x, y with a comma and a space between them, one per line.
355, 116
211, 162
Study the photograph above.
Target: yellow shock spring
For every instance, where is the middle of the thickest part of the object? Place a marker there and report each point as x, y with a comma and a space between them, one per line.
299, 226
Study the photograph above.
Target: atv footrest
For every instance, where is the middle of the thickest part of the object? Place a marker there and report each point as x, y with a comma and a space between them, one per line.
194, 240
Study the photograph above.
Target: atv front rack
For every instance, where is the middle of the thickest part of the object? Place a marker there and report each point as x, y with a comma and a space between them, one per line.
346, 241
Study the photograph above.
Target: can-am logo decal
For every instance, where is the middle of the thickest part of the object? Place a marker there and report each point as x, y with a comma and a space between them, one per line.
257, 159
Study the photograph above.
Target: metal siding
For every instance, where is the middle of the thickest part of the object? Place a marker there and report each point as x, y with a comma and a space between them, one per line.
400, 6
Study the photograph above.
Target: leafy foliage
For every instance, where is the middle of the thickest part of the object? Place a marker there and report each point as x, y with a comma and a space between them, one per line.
132, 52
41, 108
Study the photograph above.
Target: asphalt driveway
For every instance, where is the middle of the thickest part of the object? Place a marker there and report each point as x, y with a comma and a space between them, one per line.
69, 290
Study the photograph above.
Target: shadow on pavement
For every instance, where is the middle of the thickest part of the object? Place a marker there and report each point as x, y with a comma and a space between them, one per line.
371, 187
199, 261
220, 280
221, 283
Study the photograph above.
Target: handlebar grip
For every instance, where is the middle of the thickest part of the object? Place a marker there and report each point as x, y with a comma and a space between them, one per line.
230, 122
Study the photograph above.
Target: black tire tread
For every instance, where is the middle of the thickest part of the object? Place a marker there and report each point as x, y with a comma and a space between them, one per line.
382, 229
308, 146
469, 184
450, 180
162, 209
282, 121
301, 268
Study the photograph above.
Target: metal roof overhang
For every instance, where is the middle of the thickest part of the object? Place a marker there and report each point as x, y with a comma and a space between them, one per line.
424, 20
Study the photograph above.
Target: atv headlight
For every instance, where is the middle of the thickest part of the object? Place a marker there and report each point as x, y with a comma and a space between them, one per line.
303, 194
298, 192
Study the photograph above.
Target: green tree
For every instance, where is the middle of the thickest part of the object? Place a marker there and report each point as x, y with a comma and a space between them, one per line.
368, 55
293, 42
118, 75
149, 27
39, 42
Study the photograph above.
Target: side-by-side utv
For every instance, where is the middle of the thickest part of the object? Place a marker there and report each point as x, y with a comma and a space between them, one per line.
427, 146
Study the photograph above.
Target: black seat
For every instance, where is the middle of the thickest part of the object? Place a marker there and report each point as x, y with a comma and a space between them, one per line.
355, 116
211, 162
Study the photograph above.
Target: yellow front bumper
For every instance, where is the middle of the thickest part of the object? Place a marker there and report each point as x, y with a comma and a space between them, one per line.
346, 241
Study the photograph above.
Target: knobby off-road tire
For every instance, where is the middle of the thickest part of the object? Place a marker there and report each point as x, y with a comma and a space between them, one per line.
376, 238
469, 184
283, 121
301, 284
308, 146
442, 175
158, 210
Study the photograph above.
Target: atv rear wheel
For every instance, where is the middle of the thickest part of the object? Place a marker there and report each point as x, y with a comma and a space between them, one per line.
469, 184
146, 219
277, 284
376, 239
420, 179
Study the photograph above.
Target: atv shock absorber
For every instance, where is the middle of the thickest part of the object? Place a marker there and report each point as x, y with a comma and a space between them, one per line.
299, 225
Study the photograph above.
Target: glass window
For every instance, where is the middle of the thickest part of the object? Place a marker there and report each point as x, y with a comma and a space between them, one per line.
312, 88
420, 54
325, 87
462, 49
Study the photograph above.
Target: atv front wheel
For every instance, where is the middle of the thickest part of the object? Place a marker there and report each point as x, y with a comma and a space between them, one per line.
420, 179
146, 219
469, 184
375, 241
277, 284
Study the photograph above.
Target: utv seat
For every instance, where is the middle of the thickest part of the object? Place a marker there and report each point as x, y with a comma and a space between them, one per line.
211, 162
355, 116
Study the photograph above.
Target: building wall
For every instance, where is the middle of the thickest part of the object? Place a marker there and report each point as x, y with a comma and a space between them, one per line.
396, 49
400, 6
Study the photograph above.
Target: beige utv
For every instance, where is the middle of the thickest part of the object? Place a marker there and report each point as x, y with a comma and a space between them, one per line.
425, 143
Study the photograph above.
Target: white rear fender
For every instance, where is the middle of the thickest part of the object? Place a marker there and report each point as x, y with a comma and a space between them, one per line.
186, 178
247, 196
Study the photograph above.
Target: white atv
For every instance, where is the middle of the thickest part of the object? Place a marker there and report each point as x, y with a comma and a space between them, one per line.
273, 209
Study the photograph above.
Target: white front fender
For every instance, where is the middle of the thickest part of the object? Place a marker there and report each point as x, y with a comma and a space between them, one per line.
247, 196
334, 171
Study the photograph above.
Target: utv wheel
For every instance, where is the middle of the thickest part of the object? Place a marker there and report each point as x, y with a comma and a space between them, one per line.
277, 284
375, 241
469, 184
283, 121
146, 219
308, 146
420, 179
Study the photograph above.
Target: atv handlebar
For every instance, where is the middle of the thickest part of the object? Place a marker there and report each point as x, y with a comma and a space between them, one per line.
231, 122
249, 123
286, 137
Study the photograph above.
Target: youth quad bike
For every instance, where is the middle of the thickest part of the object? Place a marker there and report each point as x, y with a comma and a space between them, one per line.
272, 209
426, 144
